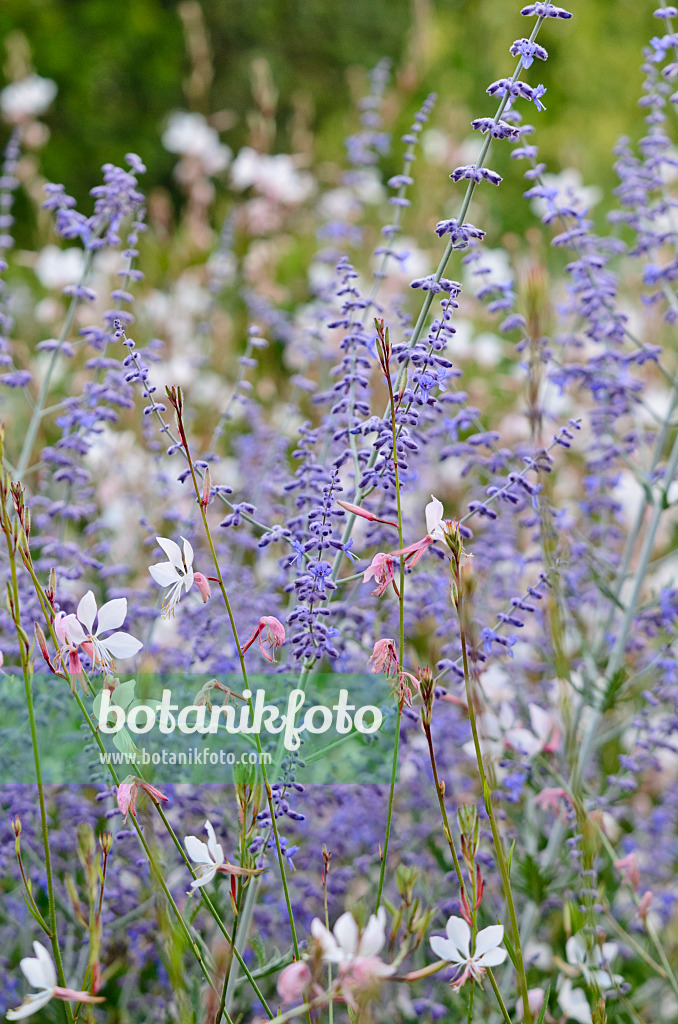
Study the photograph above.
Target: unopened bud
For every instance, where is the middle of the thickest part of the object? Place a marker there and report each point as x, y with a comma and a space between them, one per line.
206, 487
16, 826
106, 842
202, 583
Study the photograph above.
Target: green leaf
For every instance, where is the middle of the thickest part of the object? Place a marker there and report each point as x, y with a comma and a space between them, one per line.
613, 687
509, 948
544, 1005
510, 856
124, 742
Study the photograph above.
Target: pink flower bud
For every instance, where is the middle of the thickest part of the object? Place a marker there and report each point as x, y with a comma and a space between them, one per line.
126, 797
293, 980
202, 583
154, 793
271, 632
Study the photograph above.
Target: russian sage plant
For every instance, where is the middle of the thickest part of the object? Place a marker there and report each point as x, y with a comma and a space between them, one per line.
403, 527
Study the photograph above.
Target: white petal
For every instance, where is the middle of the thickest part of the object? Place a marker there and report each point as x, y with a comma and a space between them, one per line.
74, 631
33, 1002
326, 941
575, 950
574, 1003
39, 970
459, 934
541, 722
444, 949
216, 852
112, 615
373, 937
492, 958
188, 579
488, 938
164, 573
346, 934
204, 876
434, 515
172, 550
87, 610
188, 554
197, 851
121, 645
524, 741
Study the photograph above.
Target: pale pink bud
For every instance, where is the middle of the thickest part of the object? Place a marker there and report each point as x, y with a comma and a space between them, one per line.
202, 583
356, 510
293, 980
644, 904
154, 793
535, 999
630, 869
206, 485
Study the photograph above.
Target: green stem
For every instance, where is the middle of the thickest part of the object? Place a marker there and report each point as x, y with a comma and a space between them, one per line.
500, 1001
498, 845
241, 658
26, 669
401, 608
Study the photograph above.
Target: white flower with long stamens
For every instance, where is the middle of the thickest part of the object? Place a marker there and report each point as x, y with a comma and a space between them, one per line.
209, 858
455, 948
176, 573
79, 630
40, 973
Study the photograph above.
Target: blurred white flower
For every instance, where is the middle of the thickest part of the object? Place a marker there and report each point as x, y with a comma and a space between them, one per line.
571, 191
594, 963
190, 135
573, 1003
56, 268
27, 98
273, 176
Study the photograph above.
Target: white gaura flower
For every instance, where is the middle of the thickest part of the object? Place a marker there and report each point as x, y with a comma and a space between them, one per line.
435, 519
455, 948
209, 858
79, 629
40, 973
594, 963
29, 97
176, 573
573, 1003
354, 951
543, 735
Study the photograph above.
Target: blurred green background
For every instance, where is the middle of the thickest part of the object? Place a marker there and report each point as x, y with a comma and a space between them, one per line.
122, 65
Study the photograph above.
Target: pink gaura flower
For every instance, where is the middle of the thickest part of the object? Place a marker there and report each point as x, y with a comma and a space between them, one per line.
383, 569
129, 790
293, 980
270, 632
384, 657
